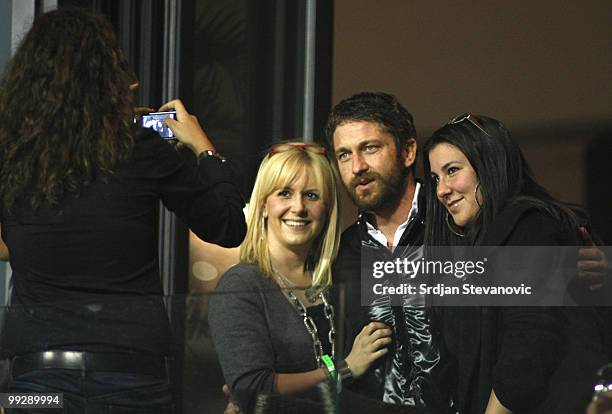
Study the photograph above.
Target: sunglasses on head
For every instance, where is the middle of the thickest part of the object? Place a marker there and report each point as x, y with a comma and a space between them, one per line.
471, 119
312, 148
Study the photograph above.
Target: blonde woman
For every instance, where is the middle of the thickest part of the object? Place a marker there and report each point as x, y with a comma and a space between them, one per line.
264, 310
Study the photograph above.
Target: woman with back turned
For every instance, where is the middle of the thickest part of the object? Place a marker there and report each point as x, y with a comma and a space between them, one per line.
80, 187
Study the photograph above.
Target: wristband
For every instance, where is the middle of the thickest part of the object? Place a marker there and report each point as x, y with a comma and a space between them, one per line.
344, 371
329, 367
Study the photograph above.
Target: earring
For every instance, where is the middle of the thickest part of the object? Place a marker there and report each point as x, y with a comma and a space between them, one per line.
262, 233
476, 195
452, 226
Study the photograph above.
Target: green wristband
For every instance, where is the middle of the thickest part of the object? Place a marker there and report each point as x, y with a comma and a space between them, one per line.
330, 368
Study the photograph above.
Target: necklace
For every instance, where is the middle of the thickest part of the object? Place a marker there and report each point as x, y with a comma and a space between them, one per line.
309, 292
309, 323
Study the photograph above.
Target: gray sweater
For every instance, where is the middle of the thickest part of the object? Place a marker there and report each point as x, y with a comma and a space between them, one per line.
257, 333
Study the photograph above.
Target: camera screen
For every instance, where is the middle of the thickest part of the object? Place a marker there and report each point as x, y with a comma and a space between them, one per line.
155, 121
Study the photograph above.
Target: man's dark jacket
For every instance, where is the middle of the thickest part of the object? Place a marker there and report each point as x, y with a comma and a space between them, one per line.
411, 370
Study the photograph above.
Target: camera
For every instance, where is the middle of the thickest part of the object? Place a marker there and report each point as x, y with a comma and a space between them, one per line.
155, 121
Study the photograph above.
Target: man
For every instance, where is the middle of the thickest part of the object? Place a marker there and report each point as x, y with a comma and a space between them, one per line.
373, 140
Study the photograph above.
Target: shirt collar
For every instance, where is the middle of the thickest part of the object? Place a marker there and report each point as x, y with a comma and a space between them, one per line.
376, 234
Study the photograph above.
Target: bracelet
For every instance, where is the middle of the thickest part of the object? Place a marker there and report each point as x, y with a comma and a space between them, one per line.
344, 371
329, 367
211, 153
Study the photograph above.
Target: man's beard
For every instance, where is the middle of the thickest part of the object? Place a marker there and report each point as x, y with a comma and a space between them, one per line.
386, 192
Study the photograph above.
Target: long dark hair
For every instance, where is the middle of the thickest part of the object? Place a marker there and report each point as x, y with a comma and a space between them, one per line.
504, 178
66, 112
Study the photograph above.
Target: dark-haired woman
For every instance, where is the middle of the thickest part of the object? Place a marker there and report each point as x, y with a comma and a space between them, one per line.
509, 359
80, 187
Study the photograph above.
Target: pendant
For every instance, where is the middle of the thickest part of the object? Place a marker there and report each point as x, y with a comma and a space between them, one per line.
311, 295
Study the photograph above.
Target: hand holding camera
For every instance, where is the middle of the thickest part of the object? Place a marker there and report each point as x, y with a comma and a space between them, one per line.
157, 122
186, 127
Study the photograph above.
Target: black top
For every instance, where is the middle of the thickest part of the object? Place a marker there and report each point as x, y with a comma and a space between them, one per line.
85, 274
533, 357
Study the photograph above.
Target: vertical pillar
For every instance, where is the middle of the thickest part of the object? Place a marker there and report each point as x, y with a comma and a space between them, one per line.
16, 18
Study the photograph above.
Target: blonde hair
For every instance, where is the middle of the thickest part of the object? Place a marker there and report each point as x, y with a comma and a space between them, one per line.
279, 170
